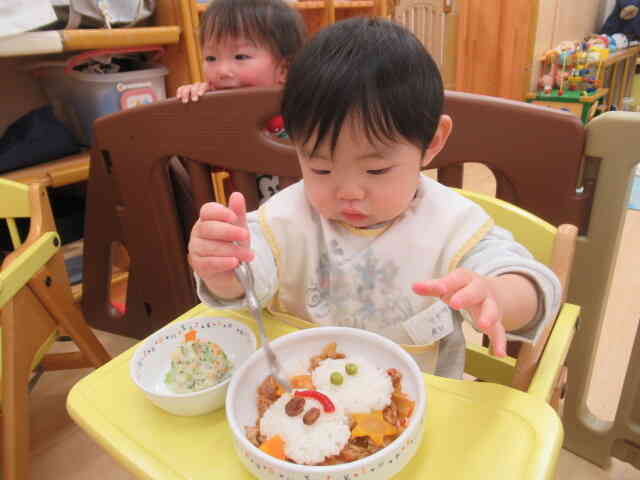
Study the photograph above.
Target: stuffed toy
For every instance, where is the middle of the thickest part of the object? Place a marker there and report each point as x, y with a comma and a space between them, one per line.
625, 18
268, 186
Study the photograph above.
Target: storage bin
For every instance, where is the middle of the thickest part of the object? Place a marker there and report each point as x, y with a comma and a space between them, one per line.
78, 98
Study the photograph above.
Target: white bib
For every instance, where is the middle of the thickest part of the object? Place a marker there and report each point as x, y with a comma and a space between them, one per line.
333, 274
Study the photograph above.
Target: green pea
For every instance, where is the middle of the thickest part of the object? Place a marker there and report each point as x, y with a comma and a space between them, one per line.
336, 378
351, 368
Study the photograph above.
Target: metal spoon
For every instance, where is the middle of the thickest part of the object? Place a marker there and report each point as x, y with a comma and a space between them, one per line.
244, 274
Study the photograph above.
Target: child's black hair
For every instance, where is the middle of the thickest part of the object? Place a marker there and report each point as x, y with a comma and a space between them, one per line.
272, 24
369, 67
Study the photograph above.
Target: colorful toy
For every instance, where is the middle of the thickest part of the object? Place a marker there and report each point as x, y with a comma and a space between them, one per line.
574, 66
570, 76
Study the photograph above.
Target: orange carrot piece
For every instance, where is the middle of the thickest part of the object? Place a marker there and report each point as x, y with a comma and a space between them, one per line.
274, 447
190, 336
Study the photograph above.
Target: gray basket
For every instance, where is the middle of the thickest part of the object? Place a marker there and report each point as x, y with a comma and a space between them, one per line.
78, 98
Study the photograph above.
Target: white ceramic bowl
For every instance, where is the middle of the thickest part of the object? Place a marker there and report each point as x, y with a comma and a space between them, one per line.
152, 360
295, 350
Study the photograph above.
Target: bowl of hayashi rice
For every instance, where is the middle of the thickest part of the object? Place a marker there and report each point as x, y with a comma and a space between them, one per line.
356, 408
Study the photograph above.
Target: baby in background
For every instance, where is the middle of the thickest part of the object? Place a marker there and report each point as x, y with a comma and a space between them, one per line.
248, 43
365, 240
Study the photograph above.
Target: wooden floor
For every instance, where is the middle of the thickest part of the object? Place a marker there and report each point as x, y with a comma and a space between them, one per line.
62, 451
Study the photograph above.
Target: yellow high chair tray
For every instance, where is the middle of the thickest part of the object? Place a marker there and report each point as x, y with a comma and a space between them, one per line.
474, 430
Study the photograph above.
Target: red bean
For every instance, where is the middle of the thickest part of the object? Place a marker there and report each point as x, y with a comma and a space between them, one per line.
311, 416
294, 406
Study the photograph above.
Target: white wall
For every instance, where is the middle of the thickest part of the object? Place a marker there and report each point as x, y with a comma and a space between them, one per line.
575, 19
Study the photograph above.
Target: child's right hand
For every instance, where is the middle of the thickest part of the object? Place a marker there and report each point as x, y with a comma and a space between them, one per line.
192, 91
219, 241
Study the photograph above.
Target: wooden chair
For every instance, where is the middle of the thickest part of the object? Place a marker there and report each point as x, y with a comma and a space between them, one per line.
36, 306
56, 173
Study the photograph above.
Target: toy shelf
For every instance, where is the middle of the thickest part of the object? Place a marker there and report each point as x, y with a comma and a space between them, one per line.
58, 41
621, 55
617, 75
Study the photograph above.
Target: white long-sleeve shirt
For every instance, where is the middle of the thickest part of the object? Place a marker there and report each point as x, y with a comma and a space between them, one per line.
329, 273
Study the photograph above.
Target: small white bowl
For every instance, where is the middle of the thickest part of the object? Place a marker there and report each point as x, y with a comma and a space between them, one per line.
294, 350
152, 360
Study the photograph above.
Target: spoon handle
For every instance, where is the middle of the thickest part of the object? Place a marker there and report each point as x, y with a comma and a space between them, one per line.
244, 274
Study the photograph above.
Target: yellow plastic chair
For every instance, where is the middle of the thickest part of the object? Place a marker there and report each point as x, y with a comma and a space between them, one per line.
530, 371
499, 432
36, 305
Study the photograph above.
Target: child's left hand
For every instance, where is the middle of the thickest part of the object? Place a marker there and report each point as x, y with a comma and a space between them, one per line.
464, 289
192, 92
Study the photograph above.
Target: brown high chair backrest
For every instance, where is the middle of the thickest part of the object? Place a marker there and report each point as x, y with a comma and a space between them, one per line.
129, 170
534, 153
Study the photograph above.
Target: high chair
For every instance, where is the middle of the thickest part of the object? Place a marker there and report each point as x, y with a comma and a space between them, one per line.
509, 433
36, 307
129, 176
542, 160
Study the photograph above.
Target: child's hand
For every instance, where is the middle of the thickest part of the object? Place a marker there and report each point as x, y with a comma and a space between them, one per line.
219, 241
192, 92
463, 289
